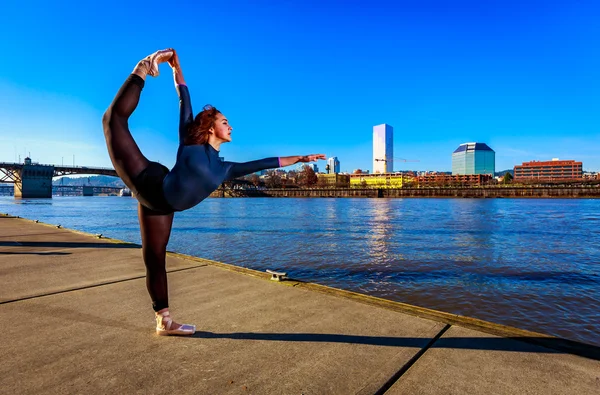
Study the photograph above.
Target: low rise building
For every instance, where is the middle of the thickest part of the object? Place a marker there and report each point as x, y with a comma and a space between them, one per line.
441, 180
334, 180
549, 170
380, 180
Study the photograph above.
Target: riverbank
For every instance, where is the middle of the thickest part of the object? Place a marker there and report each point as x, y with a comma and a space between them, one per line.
254, 335
509, 261
475, 192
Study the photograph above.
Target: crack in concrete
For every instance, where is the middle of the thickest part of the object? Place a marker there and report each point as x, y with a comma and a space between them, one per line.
92, 286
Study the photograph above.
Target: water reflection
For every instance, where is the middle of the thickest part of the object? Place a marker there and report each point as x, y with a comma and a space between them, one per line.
380, 223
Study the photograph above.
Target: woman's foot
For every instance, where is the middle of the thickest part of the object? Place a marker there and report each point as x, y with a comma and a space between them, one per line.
157, 58
165, 326
149, 65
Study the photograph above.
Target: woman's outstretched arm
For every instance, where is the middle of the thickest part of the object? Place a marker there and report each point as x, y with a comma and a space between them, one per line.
290, 160
186, 116
241, 169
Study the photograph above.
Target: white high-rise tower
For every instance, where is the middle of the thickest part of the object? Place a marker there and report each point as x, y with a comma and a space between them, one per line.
383, 148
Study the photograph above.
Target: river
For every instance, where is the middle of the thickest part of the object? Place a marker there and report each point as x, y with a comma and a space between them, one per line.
529, 263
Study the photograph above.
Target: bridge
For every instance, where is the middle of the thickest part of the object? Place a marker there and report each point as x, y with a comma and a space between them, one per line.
34, 180
11, 172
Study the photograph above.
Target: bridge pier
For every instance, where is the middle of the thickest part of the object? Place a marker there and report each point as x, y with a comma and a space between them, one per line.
33, 181
88, 190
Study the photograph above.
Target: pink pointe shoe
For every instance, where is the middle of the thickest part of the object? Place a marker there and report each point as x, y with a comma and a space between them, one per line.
164, 322
157, 58
149, 65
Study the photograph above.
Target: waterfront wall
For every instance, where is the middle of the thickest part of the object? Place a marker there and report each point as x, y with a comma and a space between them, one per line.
481, 192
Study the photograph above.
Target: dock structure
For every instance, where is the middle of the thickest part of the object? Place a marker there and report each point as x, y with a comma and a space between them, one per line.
76, 319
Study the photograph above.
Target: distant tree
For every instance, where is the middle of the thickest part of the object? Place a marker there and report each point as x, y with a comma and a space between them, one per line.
307, 177
321, 182
301, 177
312, 177
363, 183
273, 180
357, 171
255, 180
292, 176
507, 179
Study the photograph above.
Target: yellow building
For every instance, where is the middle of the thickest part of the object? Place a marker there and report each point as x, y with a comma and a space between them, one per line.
379, 180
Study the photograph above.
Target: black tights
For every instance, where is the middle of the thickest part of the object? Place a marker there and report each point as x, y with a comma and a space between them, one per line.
129, 162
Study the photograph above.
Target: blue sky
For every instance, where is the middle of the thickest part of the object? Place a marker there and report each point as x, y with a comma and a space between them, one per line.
300, 77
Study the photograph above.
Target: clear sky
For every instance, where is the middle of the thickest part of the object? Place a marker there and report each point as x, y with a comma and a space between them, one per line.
301, 77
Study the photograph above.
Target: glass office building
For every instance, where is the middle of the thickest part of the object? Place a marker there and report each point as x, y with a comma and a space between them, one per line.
473, 158
334, 165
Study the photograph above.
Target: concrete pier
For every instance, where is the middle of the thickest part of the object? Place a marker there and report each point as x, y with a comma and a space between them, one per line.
34, 181
88, 190
77, 319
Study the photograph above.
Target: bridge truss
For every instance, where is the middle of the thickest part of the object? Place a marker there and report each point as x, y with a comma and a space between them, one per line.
11, 172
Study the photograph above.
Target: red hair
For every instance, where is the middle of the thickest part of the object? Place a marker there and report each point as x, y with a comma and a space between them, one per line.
198, 131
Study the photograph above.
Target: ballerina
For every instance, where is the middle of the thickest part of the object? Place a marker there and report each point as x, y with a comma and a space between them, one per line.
161, 192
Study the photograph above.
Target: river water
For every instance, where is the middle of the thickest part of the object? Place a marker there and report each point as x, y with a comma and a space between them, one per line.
529, 263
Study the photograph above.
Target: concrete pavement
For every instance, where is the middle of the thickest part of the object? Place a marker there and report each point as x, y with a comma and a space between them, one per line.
77, 319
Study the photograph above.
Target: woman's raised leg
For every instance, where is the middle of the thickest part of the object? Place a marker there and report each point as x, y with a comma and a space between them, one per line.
124, 153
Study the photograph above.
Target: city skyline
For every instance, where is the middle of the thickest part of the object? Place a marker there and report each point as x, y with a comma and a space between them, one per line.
519, 76
315, 165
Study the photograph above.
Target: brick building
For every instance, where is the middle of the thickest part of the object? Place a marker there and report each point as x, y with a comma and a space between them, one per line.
453, 180
549, 170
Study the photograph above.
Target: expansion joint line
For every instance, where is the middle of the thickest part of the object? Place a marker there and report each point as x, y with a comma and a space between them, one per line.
410, 363
92, 286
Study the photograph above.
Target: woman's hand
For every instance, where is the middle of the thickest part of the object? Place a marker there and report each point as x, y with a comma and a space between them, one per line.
311, 158
174, 61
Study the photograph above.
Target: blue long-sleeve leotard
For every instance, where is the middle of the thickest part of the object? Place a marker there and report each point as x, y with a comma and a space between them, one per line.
198, 170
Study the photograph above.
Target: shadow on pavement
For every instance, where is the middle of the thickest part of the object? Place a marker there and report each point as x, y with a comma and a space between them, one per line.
514, 344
